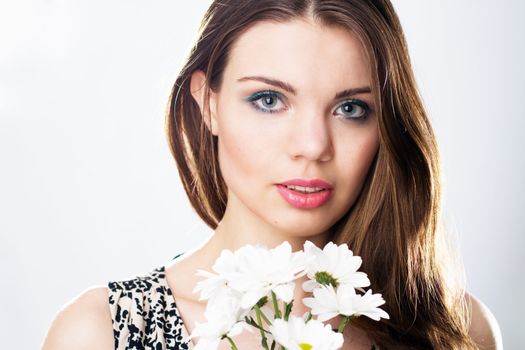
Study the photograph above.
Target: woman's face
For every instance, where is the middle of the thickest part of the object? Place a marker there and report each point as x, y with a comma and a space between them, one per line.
295, 103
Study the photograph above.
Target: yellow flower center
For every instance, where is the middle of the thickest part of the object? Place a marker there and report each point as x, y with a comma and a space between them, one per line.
305, 346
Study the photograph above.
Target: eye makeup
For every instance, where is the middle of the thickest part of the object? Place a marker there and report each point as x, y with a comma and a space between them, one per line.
359, 110
264, 97
351, 109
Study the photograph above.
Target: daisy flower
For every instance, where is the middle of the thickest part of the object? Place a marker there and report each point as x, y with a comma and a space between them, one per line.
260, 271
225, 318
329, 302
225, 266
333, 265
296, 334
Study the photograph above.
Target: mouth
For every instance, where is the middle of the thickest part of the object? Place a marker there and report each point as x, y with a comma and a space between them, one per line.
303, 185
305, 194
304, 189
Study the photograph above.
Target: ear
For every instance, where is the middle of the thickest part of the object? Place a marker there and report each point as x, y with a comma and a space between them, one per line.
197, 88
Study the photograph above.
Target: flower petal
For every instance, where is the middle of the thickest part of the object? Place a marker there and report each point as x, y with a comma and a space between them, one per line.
285, 292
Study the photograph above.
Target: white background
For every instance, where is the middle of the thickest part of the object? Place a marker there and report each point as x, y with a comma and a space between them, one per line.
89, 191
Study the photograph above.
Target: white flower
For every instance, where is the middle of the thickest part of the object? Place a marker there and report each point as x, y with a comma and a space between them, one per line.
224, 317
295, 334
260, 270
333, 265
225, 266
328, 302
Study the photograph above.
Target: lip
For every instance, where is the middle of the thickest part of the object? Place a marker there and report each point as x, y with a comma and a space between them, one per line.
307, 183
305, 200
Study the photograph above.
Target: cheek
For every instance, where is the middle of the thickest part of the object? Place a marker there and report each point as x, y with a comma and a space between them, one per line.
234, 154
243, 148
366, 152
356, 161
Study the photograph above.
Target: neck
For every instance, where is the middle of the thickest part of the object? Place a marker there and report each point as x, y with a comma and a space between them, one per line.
240, 226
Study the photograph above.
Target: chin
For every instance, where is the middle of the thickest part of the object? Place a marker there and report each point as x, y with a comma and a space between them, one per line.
307, 222
303, 229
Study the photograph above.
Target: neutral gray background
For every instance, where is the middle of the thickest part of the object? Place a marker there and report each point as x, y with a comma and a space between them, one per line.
89, 191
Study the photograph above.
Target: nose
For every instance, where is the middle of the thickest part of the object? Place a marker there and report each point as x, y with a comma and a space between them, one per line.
310, 137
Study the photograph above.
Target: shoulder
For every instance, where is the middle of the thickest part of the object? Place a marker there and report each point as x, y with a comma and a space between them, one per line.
484, 328
82, 323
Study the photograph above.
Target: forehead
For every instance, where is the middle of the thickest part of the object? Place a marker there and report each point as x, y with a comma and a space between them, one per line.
305, 54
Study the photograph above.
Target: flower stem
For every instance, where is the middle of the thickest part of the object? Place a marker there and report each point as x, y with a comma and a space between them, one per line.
287, 310
308, 317
252, 323
343, 324
268, 322
232, 344
258, 313
275, 306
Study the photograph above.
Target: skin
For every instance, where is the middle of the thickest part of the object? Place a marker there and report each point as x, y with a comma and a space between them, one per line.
307, 137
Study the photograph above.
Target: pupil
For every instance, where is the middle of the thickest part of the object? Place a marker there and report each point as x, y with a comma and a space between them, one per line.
268, 100
348, 108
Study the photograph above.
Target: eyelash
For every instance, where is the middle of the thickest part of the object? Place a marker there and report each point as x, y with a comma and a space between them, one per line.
269, 93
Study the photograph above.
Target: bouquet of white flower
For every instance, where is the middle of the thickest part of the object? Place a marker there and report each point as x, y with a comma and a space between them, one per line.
252, 283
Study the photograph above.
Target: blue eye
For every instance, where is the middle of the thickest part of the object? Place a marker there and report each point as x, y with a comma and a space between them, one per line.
265, 101
354, 109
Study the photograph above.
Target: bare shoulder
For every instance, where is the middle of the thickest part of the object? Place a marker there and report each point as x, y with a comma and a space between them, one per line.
484, 328
83, 323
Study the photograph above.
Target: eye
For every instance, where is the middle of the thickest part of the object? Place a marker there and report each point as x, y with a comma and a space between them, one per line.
354, 109
265, 101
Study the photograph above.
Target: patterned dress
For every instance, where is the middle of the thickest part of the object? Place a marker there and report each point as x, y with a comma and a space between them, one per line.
144, 314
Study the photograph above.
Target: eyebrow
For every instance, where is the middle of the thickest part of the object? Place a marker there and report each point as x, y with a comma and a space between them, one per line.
287, 87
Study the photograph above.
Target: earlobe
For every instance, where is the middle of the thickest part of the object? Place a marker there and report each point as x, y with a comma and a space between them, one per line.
198, 89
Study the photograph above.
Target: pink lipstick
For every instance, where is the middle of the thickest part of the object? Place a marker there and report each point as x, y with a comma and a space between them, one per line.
305, 194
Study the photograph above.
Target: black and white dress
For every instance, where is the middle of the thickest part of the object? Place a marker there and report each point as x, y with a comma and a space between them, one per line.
144, 314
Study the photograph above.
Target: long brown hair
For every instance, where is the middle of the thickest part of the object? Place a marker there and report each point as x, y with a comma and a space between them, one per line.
394, 225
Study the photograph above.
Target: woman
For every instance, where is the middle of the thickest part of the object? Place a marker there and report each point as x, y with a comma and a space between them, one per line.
296, 120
